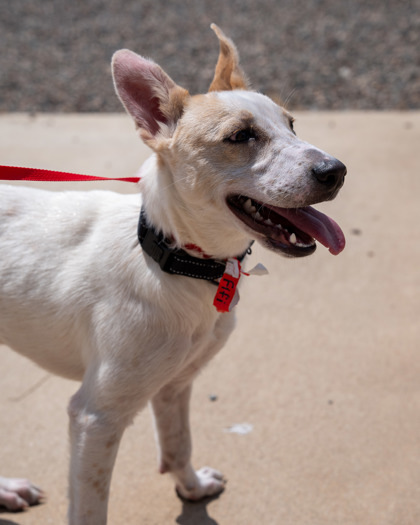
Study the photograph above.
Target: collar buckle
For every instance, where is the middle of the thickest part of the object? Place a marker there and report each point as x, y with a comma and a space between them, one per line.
158, 250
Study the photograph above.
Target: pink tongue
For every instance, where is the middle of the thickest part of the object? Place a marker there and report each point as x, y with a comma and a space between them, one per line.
317, 225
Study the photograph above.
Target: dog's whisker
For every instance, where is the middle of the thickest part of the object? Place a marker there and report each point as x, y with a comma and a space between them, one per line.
289, 98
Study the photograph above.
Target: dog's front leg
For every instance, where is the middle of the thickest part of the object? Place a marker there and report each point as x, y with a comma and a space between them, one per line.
171, 411
94, 439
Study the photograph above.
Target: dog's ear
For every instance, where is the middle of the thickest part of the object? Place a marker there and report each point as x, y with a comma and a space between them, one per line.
149, 95
228, 74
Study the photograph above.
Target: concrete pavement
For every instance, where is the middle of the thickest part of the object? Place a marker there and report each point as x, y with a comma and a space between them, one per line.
324, 364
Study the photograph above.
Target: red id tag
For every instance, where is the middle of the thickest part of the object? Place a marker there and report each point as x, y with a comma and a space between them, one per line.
227, 296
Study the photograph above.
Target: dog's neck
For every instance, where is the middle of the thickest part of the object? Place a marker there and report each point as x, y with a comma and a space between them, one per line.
192, 227
178, 261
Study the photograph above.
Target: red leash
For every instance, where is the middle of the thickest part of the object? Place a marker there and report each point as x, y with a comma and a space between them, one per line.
35, 174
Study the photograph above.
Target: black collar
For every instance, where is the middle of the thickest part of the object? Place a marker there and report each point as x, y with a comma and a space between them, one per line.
175, 260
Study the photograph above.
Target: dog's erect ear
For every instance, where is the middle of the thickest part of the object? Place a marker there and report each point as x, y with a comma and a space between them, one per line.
228, 74
150, 96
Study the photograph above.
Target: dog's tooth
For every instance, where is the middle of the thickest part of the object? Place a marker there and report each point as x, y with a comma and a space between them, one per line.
258, 216
252, 209
247, 205
292, 238
268, 222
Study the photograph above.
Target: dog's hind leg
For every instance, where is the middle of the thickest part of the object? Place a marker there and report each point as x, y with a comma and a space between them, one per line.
171, 412
19, 494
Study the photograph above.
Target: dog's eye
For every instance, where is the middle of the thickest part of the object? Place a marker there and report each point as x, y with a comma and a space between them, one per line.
243, 135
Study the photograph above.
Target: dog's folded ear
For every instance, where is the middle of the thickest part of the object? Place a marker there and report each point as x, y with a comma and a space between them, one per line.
228, 74
149, 95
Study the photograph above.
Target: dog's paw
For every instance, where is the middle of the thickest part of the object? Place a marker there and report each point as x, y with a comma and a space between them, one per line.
208, 482
19, 494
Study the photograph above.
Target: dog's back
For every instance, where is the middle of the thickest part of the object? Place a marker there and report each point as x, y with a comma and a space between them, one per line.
51, 272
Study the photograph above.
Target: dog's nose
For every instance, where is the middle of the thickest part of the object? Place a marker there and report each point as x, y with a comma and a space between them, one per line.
330, 172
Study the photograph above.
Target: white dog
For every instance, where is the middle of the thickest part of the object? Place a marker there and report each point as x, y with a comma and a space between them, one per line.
130, 313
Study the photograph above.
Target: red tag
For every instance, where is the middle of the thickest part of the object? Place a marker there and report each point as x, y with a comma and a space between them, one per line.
226, 296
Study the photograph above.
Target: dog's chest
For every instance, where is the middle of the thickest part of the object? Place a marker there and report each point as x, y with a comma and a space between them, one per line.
188, 311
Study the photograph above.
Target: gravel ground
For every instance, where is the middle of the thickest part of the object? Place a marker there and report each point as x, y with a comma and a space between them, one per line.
320, 54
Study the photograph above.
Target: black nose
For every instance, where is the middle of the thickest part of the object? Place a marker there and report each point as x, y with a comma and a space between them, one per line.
330, 172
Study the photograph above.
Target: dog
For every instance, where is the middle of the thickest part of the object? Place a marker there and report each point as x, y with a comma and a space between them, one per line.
131, 294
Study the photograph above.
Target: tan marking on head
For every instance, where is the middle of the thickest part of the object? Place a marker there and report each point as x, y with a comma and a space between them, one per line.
173, 107
210, 120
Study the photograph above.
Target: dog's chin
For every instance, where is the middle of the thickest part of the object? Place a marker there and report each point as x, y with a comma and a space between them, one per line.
289, 231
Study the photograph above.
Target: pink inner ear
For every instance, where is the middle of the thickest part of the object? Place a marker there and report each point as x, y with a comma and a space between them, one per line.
143, 106
138, 81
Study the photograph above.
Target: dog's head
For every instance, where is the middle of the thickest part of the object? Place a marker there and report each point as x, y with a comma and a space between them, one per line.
233, 156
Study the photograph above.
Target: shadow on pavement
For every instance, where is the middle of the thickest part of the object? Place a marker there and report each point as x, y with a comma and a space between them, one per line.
195, 512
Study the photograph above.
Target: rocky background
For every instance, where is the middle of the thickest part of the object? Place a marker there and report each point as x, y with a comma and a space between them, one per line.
314, 54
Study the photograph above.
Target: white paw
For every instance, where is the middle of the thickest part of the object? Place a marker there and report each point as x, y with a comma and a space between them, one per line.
208, 482
19, 494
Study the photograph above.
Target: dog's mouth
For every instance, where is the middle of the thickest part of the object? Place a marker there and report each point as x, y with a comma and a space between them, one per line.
292, 231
